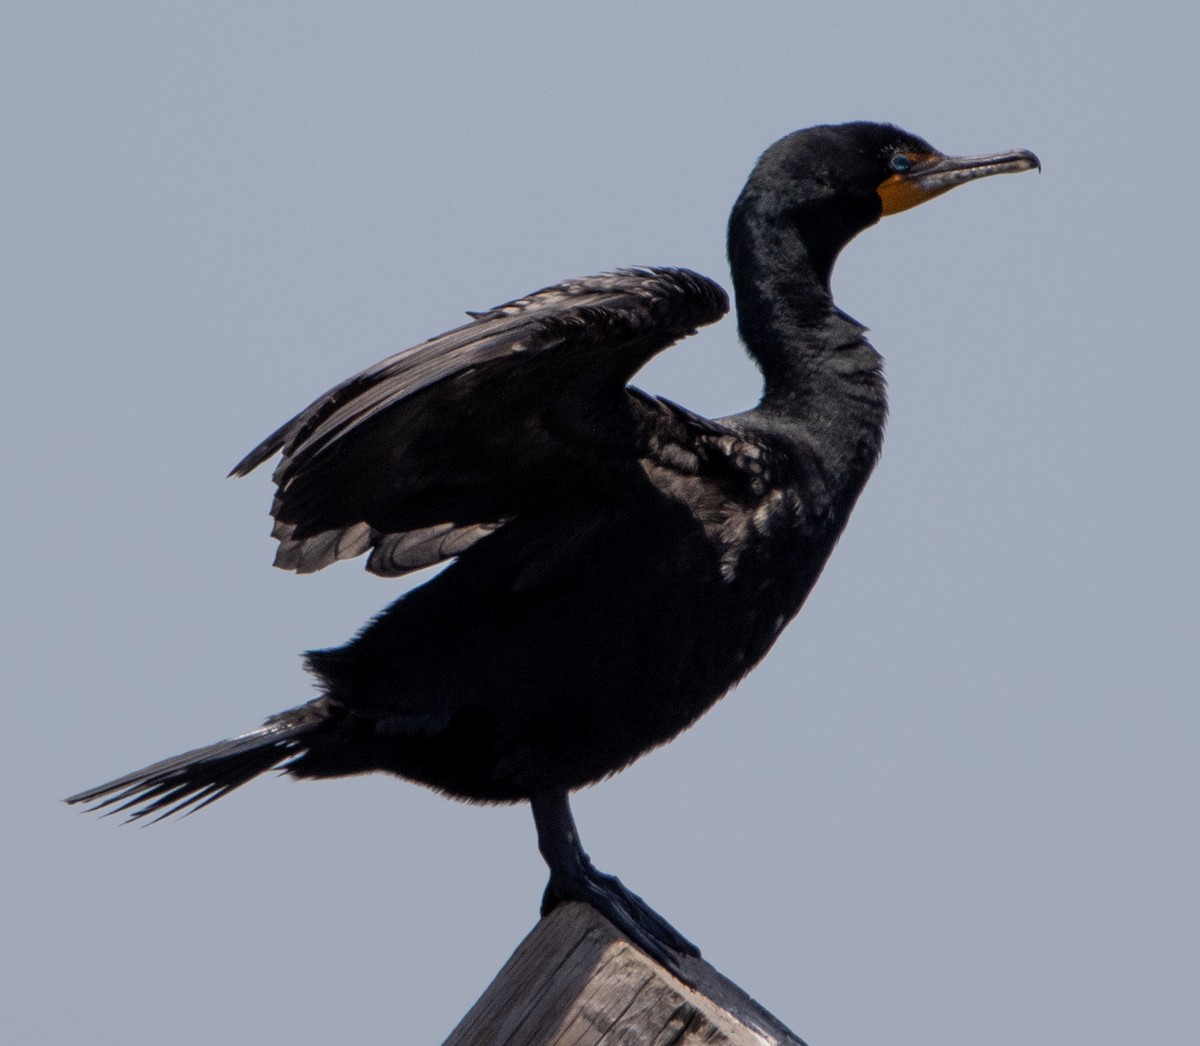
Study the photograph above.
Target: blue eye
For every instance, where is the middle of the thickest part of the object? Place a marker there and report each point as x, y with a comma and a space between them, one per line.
900, 163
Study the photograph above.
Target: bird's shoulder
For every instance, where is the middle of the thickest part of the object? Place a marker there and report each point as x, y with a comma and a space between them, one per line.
757, 489
678, 442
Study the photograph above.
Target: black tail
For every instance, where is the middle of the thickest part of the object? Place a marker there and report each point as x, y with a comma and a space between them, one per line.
192, 780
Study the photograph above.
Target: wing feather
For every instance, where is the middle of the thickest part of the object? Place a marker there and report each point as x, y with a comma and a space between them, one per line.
423, 454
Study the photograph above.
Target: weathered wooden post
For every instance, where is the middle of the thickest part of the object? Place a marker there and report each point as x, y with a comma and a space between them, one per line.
574, 981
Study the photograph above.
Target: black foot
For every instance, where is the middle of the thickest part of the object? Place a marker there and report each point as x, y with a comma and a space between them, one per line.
624, 909
574, 878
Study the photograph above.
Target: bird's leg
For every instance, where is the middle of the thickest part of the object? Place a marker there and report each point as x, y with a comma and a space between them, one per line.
573, 878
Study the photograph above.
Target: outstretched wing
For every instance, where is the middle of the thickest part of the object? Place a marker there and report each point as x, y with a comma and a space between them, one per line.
420, 456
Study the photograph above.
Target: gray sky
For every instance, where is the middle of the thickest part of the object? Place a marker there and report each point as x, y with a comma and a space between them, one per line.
957, 804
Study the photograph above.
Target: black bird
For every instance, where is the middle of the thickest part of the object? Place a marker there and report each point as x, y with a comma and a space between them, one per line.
619, 562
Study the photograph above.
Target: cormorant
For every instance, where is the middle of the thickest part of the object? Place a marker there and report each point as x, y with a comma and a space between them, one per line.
618, 561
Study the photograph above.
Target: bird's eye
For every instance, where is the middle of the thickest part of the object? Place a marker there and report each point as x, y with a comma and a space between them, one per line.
900, 163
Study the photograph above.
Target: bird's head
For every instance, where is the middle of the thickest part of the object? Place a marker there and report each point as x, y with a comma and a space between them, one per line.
833, 181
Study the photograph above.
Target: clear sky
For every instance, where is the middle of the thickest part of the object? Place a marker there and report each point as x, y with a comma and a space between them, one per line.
957, 804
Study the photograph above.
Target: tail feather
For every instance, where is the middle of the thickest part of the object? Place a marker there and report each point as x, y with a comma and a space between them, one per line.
185, 783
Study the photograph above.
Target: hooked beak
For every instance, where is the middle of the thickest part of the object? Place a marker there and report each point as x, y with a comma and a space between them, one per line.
935, 174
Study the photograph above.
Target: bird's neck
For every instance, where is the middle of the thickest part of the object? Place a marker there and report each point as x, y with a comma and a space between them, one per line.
823, 382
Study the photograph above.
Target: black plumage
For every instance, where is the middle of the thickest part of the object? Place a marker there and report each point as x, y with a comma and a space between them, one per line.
619, 562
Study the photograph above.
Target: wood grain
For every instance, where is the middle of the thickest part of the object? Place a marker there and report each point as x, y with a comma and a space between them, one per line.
575, 982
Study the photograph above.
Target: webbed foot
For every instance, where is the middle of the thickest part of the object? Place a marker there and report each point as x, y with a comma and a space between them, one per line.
573, 877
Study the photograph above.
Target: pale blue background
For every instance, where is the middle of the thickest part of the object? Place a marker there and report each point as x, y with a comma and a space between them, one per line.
957, 804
